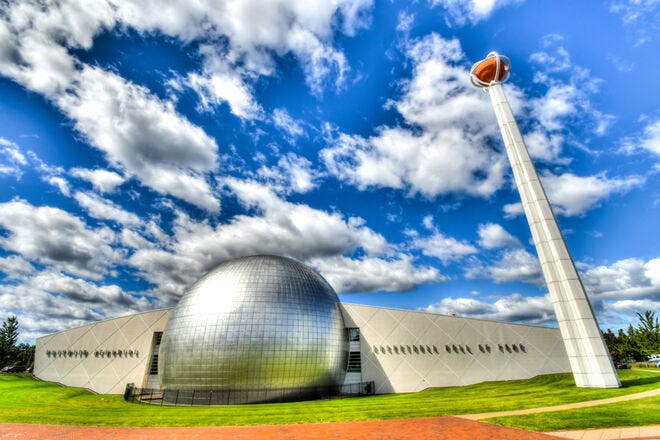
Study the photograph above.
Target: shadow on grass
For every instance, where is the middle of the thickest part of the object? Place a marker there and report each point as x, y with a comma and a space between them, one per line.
640, 380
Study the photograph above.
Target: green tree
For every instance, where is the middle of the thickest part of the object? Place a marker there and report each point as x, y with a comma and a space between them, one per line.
8, 338
648, 334
637, 342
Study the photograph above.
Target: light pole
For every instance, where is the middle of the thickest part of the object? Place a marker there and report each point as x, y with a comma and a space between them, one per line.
588, 355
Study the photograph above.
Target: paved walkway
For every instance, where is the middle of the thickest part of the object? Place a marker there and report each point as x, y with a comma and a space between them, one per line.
586, 404
635, 432
638, 432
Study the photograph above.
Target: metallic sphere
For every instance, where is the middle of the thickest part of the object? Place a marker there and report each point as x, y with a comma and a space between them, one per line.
260, 327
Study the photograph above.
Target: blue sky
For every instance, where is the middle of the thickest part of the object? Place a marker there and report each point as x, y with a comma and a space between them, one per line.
141, 144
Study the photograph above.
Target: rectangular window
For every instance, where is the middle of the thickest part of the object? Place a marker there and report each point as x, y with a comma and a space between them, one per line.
354, 363
353, 334
153, 367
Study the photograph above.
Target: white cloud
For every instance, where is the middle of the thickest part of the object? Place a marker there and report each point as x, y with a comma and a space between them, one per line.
513, 265
275, 227
139, 133
512, 308
293, 174
56, 301
215, 87
567, 98
494, 236
640, 17
649, 139
54, 237
61, 184
103, 180
440, 246
100, 208
448, 153
14, 159
461, 11
512, 210
143, 135
249, 34
286, 123
573, 195
366, 274
14, 266
628, 279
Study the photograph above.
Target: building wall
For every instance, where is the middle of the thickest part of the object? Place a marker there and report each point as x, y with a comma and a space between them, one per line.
103, 356
401, 350
407, 351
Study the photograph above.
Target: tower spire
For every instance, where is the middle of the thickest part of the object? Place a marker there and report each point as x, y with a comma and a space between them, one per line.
588, 355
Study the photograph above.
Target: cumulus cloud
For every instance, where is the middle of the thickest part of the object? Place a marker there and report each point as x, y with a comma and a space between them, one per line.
441, 246
573, 195
494, 236
628, 279
617, 291
511, 308
56, 238
292, 174
100, 208
217, 86
143, 135
510, 265
459, 12
447, 152
14, 266
104, 181
11, 158
567, 98
275, 227
58, 301
366, 274
648, 140
138, 132
287, 124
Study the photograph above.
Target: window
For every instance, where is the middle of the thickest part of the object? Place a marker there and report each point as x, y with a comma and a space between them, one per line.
354, 364
153, 368
353, 334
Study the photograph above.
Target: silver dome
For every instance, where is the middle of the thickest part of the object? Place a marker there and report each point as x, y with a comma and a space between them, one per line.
260, 327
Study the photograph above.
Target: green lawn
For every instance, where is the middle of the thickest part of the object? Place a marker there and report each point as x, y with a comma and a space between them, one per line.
25, 400
641, 412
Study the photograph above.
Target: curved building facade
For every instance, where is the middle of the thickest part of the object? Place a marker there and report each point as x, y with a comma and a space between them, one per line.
256, 326
268, 328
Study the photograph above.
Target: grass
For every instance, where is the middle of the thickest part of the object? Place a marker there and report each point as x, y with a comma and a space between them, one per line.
641, 412
26, 400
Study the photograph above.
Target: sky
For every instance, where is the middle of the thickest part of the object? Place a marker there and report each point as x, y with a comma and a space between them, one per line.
144, 142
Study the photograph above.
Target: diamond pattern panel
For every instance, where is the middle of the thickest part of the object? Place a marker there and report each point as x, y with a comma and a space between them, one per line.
102, 356
407, 351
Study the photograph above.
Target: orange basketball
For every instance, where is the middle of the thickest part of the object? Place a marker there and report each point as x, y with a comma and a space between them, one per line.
486, 70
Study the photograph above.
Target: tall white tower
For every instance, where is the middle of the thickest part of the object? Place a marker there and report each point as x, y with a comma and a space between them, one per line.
589, 358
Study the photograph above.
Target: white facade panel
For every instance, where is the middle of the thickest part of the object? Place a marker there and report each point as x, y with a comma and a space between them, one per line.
103, 356
408, 351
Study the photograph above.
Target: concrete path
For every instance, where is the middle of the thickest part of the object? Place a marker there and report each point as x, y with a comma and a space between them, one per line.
635, 432
586, 404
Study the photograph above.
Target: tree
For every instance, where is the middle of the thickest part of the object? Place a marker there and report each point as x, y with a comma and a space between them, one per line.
648, 333
638, 342
8, 338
